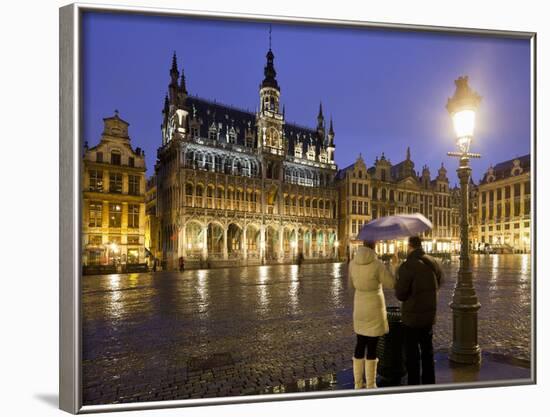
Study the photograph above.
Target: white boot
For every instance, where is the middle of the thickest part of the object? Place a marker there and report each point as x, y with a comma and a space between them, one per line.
358, 373
370, 370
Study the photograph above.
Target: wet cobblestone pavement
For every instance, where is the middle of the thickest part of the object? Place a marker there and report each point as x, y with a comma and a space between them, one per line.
226, 332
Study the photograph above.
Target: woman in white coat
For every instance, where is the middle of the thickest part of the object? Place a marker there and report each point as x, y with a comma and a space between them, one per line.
368, 276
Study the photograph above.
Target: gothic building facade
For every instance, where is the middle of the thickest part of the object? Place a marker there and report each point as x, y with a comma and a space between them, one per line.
236, 187
367, 193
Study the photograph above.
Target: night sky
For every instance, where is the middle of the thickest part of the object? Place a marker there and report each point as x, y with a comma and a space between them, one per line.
385, 90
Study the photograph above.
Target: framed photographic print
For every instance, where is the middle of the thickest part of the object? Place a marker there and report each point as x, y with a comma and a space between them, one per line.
258, 208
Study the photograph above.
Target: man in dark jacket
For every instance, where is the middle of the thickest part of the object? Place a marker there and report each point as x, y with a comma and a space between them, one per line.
419, 278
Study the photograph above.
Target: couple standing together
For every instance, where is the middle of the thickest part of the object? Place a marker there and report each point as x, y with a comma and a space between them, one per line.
416, 282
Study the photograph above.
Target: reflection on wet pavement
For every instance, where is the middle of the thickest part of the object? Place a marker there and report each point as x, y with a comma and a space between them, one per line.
275, 325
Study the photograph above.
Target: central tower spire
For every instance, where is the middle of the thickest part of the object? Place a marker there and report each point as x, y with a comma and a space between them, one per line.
269, 69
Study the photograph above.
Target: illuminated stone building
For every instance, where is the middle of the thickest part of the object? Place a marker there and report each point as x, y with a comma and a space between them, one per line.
152, 231
113, 206
367, 193
236, 187
504, 204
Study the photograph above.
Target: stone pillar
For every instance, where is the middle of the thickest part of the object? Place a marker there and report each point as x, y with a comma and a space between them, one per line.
225, 251
262, 243
281, 254
244, 244
205, 242
522, 200
512, 204
324, 243
124, 183
105, 222
106, 182
183, 242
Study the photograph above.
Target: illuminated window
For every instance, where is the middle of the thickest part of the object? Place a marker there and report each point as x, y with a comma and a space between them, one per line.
133, 215
115, 215
115, 183
95, 240
95, 214
96, 180
133, 185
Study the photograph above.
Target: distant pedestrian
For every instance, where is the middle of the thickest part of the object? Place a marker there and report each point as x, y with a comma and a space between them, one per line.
181, 264
300, 259
419, 279
367, 274
155, 265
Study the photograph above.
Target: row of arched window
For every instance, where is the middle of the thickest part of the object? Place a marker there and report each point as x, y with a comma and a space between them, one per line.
306, 177
315, 207
390, 195
230, 198
222, 163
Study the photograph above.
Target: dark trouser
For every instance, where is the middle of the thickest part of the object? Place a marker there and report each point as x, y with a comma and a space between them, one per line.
419, 348
365, 342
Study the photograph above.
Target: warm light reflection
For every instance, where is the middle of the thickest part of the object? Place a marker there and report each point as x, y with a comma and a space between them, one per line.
495, 259
525, 267
464, 123
116, 306
336, 285
202, 288
262, 287
293, 289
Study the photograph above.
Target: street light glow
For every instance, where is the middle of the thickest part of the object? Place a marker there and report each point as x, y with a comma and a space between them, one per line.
464, 123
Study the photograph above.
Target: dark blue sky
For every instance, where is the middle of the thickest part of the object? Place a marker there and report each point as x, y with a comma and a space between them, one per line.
386, 90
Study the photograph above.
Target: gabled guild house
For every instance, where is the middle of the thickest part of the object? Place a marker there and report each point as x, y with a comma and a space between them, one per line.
113, 203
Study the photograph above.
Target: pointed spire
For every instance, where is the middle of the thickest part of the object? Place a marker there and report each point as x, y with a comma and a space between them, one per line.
331, 128
269, 69
174, 62
321, 120
183, 87
174, 73
408, 153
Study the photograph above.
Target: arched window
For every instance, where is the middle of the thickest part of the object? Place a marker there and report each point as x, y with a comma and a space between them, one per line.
232, 136
189, 157
213, 132
383, 194
199, 191
218, 163
209, 162
272, 138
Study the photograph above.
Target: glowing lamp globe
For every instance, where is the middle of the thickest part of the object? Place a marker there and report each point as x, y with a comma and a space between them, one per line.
462, 107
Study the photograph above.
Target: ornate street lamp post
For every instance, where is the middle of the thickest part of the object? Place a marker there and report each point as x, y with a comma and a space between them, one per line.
465, 305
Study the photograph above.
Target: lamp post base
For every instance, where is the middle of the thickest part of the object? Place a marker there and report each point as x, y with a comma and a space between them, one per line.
465, 348
465, 356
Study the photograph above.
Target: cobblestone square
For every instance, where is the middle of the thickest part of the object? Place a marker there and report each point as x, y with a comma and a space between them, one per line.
239, 331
